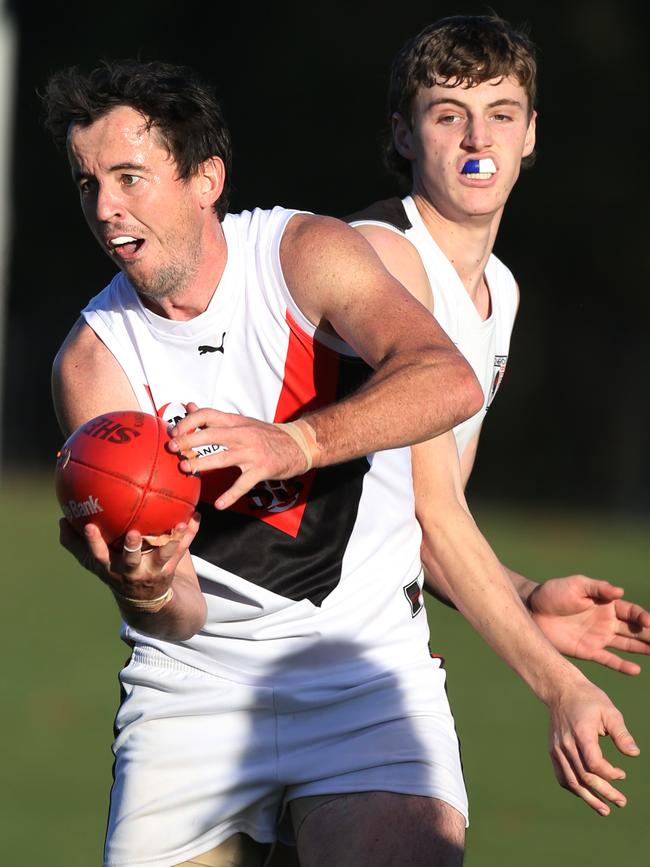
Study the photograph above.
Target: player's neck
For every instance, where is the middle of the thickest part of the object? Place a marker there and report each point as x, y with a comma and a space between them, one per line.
467, 243
193, 299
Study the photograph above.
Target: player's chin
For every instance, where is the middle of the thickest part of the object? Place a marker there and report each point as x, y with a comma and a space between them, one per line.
481, 207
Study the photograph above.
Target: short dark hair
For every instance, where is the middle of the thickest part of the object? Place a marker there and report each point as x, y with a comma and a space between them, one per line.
461, 50
171, 99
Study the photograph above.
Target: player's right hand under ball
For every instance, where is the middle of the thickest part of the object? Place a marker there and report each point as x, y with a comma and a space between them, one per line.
130, 569
140, 574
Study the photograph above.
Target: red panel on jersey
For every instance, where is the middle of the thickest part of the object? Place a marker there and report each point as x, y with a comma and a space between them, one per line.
310, 379
311, 373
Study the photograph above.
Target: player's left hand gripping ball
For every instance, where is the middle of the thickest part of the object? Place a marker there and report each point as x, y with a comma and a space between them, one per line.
115, 472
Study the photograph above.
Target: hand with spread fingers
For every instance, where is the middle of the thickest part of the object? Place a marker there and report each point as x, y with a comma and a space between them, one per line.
152, 578
582, 617
577, 720
262, 451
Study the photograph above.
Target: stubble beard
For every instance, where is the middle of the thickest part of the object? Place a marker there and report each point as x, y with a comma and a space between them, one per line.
168, 280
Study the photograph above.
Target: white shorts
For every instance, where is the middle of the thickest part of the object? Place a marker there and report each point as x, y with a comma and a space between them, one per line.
199, 758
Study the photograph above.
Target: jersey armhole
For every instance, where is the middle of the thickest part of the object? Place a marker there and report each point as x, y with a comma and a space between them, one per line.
133, 370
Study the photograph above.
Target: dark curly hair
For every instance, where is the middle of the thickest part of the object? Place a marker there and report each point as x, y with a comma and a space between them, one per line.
172, 99
463, 49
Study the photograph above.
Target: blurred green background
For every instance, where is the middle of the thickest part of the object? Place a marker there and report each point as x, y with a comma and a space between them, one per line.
62, 655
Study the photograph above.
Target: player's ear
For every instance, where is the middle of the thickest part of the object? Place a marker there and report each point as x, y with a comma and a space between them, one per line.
402, 136
211, 178
529, 141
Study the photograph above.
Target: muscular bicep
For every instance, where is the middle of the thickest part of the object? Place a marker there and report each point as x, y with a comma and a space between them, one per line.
87, 380
336, 277
402, 259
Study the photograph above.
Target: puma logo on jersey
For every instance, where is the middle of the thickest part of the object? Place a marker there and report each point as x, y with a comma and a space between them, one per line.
207, 348
89, 506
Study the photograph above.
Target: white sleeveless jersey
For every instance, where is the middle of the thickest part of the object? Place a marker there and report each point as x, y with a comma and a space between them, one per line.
303, 577
484, 343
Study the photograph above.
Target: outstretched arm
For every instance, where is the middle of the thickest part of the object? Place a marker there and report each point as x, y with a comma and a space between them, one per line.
479, 587
581, 616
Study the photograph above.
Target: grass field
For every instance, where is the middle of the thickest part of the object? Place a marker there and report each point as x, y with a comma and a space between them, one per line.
62, 654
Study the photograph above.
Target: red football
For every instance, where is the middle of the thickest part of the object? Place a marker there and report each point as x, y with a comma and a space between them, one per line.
115, 472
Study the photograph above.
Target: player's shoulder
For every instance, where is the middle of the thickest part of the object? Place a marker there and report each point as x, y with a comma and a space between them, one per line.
260, 223
500, 267
384, 225
387, 217
388, 212
316, 239
500, 275
81, 350
87, 379
82, 346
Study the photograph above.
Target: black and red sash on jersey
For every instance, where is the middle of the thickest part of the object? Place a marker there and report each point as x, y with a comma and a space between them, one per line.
290, 536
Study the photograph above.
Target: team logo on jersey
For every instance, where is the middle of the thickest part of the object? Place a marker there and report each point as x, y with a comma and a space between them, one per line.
207, 348
500, 362
173, 412
267, 501
275, 496
413, 593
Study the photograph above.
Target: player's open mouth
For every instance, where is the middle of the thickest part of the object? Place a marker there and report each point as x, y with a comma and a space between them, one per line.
125, 245
479, 170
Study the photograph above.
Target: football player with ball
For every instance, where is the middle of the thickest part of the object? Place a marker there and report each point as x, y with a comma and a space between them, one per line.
280, 673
